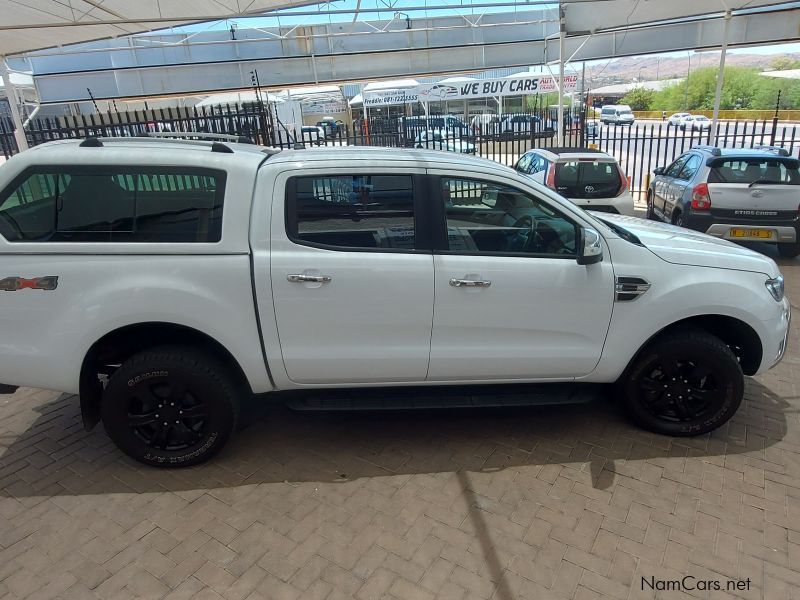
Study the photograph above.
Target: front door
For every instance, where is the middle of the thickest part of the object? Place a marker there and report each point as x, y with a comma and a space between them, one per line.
511, 302
353, 296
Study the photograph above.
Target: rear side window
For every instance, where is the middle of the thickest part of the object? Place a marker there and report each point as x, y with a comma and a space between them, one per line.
587, 179
357, 212
79, 204
755, 170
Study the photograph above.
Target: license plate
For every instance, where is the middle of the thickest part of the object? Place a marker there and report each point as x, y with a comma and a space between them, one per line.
759, 234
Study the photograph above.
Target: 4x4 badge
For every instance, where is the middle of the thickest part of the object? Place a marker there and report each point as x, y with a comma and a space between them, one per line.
12, 284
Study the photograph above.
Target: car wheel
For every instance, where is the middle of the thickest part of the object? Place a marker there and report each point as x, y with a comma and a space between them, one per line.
683, 384
679, 220
789, 250
170, 406
650, 214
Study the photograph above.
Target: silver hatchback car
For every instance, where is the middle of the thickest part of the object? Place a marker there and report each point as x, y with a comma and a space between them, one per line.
743, 194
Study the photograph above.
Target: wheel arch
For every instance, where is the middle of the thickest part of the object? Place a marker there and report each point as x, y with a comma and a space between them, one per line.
120, 344
740, 337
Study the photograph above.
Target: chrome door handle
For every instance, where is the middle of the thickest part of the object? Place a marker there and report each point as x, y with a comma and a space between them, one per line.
470, 283
298, 278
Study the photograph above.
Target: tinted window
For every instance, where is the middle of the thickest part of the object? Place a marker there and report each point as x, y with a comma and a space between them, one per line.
749, 170
490, 218
524, 163
587, 179
353, 211
675, 168
690, 167
77, 204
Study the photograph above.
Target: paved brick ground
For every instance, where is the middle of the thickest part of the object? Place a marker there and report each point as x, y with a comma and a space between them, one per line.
534, 504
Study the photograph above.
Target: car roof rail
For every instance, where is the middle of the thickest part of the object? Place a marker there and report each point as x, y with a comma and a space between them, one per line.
772, 149
199, 135
716, 151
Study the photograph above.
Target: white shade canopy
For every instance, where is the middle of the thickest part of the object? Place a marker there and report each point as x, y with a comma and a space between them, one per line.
599, 15
242, 97
36, 24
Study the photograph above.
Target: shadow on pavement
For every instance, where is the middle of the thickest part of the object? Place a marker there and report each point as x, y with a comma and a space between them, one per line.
280, 445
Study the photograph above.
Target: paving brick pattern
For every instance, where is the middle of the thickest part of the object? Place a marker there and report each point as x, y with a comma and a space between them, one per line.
563, 503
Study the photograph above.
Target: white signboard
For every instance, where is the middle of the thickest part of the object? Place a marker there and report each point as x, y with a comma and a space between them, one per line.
484, 88
323, 108
385, 97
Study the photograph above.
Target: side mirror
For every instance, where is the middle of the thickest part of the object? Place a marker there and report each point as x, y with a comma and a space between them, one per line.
590, 246
658, 171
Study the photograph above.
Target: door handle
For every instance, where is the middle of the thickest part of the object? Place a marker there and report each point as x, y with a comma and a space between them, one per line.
470, 283
299, 278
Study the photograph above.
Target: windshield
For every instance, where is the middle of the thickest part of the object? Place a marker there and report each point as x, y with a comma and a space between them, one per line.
756, 170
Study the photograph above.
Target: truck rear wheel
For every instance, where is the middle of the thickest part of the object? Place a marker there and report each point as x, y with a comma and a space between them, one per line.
683, 384
170, 406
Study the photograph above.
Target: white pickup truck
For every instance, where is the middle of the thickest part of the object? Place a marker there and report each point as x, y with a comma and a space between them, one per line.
163, 280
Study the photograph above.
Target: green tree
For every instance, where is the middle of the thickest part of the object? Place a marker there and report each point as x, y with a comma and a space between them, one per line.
739, 90
639, 98
783, 63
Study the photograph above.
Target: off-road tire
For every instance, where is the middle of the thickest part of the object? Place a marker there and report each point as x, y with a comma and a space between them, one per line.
708, 353
171, 379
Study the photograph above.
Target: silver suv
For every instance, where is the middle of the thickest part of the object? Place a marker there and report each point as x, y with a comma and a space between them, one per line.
743, 194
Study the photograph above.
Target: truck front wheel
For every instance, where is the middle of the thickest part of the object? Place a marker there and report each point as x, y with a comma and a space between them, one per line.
170, 406
684, 383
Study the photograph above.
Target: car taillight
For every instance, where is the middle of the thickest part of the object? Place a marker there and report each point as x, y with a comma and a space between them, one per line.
550, 180
701, 200
624, 182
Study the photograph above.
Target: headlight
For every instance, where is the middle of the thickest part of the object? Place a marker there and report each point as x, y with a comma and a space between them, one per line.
775, 287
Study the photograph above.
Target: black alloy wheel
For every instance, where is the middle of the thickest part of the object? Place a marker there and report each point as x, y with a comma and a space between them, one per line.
171, 406
683, 383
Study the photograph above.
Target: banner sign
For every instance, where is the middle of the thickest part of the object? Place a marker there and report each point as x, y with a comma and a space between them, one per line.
385, 97
522, 85
505, 86
323, 108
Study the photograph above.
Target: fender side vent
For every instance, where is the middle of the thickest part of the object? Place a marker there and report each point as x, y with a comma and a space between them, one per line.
630, 288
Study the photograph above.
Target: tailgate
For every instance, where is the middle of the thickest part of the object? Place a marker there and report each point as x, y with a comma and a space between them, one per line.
758, 202
756, 188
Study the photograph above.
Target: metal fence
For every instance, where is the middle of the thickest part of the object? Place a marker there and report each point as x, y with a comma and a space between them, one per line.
640, 147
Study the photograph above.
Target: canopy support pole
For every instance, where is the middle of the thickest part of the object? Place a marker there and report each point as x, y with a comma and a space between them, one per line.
11, 96
720, 79
561, 35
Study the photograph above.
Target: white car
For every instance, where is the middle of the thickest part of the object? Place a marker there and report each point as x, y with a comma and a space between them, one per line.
164, 280
588, 177
675, 119
617, 114
695, 123
437, 139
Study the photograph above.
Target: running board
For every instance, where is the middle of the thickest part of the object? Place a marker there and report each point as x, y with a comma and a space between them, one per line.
442, 397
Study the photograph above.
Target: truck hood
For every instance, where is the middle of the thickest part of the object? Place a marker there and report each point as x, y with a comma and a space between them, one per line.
686, 247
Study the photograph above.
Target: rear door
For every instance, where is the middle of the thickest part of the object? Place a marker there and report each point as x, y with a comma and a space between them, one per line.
662, 186
352, 291
680, 183
755, 190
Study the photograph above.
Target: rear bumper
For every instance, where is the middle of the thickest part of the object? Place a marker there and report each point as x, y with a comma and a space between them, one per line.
785, 232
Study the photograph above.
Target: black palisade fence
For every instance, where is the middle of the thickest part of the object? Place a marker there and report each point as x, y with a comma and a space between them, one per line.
640, 147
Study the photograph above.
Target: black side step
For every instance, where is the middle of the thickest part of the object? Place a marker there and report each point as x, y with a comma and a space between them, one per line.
442, 397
